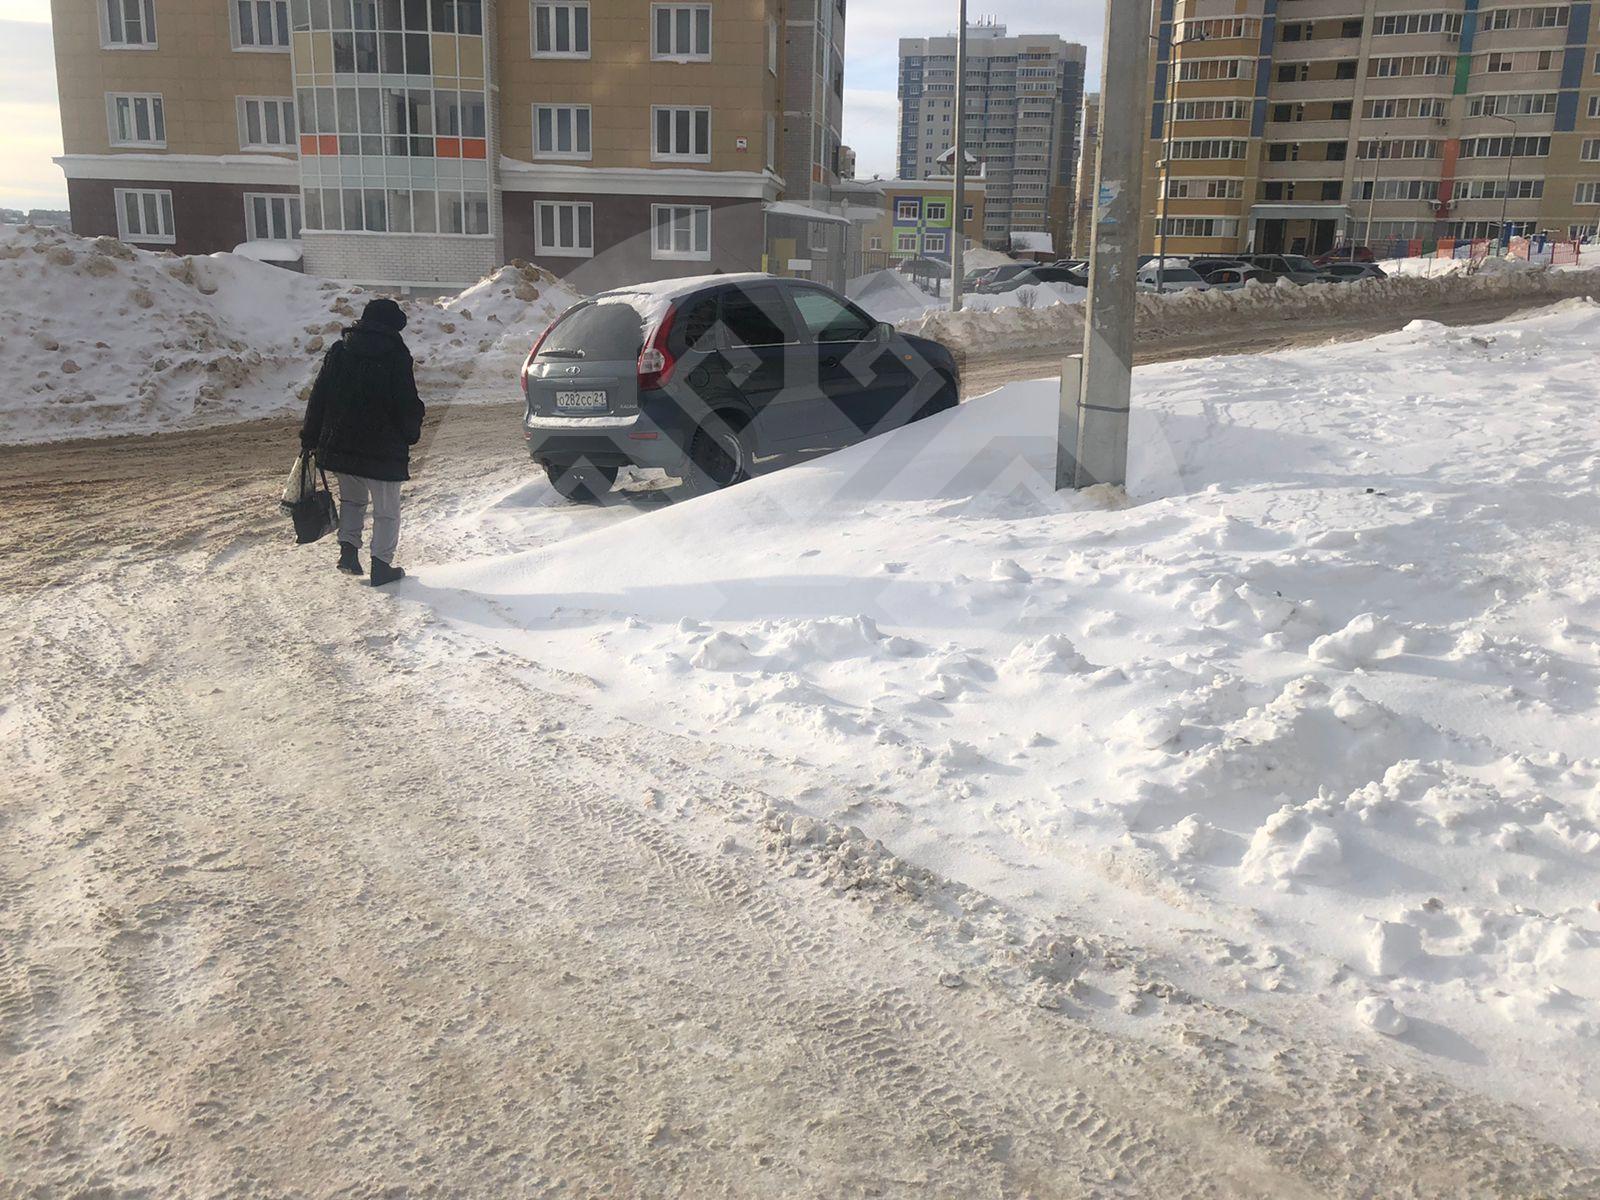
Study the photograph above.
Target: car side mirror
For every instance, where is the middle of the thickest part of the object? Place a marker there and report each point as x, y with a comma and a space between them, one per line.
882, 332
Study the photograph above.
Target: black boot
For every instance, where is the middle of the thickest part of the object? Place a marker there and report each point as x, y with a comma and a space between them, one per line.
383, 573
349, 563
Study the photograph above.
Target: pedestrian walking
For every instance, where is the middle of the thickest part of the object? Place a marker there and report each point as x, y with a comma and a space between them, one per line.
362, 419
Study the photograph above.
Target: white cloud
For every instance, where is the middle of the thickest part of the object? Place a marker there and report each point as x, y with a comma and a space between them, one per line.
30, 118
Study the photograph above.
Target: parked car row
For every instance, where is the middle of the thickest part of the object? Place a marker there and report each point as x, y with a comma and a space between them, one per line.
1184, 273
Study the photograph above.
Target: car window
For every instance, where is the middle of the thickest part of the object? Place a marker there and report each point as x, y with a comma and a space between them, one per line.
1296, 263
757, 317
609, 329
828, 319
699, 322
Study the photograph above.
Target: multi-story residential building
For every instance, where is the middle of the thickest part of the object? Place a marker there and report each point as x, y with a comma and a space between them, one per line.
917, 220
1295, 124
1088, 168
423, 142
1023, 97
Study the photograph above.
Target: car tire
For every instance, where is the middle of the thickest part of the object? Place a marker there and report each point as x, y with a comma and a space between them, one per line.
582, 483
719, 453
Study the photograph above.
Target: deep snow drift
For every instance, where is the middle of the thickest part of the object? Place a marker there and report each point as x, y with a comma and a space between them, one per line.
1312, 713
98, 338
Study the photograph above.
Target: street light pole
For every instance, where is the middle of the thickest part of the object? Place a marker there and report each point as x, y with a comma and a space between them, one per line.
1505, 197
958, 224
1377, 174
1092, 433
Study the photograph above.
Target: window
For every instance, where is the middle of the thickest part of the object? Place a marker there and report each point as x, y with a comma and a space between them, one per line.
938, 210
828, 319
1332, 189
1399, 148
1345, 69
1216, 68
561, 130
1590, 151
757, 317
772, 45
266, 123
465, 213
682, 133
906, 210
875, 242
136, 120
1499, 189
128, 24
145, 216
1293, 73
1202, 148
561, 30
1594, 106
1340, 110
1535, 105
933, 243
966, 212
458, 16
272, 216
772, 142
905, 243
1350, 29
1505, 147
566, 229
261, 25
1189, 187
1211, 110
1410, 64
680, 231
1432, 22
1335, 151
1202, 227
682, 31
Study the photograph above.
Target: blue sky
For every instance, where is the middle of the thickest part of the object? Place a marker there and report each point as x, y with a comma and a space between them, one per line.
30, 129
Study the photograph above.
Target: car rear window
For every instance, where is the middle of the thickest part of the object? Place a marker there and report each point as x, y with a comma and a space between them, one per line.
607, 330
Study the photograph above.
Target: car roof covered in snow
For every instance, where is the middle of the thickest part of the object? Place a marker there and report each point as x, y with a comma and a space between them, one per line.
653, 298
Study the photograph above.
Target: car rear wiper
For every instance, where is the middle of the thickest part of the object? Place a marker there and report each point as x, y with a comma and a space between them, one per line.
561, 353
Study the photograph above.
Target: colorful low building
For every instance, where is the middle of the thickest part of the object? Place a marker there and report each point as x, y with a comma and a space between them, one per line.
918, 220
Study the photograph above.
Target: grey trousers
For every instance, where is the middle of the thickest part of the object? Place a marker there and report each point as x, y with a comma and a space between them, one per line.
355, 494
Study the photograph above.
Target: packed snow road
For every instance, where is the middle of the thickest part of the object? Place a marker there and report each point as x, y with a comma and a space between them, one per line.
305, 890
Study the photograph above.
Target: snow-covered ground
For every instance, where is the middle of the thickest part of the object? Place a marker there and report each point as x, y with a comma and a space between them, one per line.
99, 338
1312, 713
894, 297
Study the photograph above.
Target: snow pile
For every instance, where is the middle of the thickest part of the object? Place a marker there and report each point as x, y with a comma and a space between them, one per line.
1186, 313
1312, 713
892, 296
99, 338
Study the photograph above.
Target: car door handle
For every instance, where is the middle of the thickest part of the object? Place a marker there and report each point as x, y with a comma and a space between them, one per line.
830, 360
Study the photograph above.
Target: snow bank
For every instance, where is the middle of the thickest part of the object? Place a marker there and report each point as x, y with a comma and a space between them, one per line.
1186, 313
98, 338
1312, 713
892, 296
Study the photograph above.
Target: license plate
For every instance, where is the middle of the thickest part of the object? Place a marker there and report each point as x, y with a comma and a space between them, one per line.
581, 401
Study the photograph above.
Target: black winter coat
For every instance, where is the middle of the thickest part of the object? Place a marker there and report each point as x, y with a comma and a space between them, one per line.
364, 414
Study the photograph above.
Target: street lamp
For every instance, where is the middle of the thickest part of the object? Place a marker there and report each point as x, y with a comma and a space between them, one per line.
1166, 149
1377, 174
1505, 197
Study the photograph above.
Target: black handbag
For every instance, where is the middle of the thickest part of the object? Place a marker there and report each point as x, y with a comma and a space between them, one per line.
313, 511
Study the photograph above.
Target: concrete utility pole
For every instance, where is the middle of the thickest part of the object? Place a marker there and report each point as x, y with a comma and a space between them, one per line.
958, 224
1505, 199
1092, 437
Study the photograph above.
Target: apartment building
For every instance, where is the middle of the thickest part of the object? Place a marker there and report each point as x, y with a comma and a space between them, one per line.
1023, 98
1294, 125
420, 143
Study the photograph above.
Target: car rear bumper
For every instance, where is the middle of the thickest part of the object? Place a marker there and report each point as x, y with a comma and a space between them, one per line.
605, 441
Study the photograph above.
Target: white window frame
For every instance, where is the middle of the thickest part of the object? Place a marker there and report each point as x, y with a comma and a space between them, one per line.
934, 243
683, 56
905, 243
1594, 107
164, 214
555, 110
155, 109
943, 207
285, 106
292, 208
772, 45
875, 242
147, 14
907, 210
559, 249
275, 9
1589, 188
673, 254
656, 153
1590, 150
535, 6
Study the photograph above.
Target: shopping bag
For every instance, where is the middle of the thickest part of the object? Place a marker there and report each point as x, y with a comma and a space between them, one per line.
313, 512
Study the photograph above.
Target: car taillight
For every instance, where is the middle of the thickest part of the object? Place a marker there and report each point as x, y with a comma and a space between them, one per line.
537, 342
655, 360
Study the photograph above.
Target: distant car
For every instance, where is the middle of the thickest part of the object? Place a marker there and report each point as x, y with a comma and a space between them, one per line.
1205, 266
1296, 268
1345, 254
699, 376
1034, 275
1081, 265
1354, 272
925, 268
1231, 279
1001, 273
1153, 278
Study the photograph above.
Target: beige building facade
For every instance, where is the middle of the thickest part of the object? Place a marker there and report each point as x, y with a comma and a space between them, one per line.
1296, 125
419, 143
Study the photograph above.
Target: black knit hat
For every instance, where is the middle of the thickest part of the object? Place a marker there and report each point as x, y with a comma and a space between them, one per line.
385, 314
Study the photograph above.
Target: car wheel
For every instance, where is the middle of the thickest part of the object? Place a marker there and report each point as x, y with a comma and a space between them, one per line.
719, 453
946, 398
582, 483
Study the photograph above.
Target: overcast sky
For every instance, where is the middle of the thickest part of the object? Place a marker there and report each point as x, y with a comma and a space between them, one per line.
30, 129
